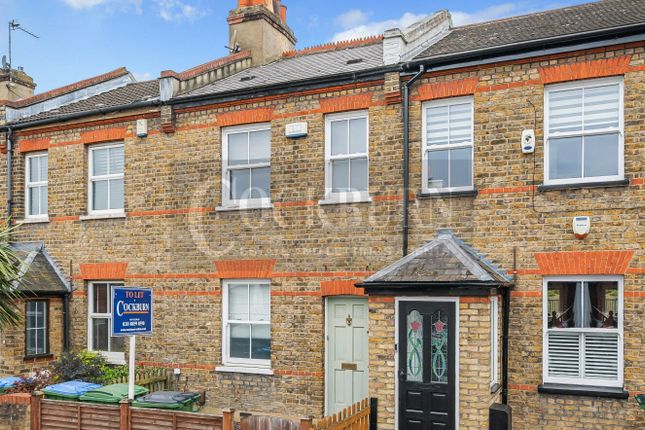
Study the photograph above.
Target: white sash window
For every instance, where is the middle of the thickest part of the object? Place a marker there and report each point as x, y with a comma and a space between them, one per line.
36, 185
106, 167
583, 325
448, 145
584, 132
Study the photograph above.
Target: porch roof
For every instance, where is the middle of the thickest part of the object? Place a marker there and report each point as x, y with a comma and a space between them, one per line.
40, 274
444, 261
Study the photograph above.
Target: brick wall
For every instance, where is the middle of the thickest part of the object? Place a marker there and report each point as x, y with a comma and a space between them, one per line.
15, 412
173, 235
12, 340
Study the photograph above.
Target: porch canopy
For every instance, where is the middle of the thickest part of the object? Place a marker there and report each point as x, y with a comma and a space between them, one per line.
443, 266
41, 276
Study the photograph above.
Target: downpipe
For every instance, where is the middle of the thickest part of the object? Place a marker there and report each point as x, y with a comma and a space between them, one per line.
406, 157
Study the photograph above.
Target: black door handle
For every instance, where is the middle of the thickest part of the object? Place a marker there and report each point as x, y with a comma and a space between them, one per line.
402, 374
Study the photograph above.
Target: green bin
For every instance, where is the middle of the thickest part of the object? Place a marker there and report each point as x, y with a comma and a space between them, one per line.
176, 400
70, 390
112, 393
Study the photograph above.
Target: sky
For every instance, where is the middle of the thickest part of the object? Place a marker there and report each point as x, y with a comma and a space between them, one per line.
83, 38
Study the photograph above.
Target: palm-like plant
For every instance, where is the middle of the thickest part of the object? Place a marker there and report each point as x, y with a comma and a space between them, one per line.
10, 271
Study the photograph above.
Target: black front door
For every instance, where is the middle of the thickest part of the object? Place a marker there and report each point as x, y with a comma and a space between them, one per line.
426, 365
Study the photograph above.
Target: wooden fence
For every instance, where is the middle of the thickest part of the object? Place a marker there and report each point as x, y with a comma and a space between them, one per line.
152, 378
64, 415
355, 417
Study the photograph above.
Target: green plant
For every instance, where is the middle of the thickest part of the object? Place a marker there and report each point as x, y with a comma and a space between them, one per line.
10, 276
88, 366
36, 381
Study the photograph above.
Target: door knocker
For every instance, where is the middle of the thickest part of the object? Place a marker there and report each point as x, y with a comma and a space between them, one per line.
349, 320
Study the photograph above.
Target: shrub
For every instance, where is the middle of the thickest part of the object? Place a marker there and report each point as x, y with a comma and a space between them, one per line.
85, 365
34, 382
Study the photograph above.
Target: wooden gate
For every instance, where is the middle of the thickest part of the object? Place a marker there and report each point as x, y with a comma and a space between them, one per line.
355, 417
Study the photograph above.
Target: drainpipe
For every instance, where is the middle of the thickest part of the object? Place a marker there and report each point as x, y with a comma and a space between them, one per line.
66, 322
406, 157
506, 318
9, 171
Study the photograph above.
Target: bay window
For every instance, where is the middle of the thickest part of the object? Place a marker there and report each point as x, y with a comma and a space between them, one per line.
99, 330
448, 145
247, 323
584, 132
583, 325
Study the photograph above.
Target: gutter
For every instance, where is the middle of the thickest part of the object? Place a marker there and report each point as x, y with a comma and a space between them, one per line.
406, 157
480, 54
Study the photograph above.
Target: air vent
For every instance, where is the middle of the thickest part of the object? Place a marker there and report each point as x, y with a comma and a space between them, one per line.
247, 78
355, 61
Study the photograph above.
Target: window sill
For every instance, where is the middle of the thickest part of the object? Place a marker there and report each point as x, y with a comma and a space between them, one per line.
244, 206
90, 217
440, 194
341, 199
39, 220
583, 390
244, 369
580, 185
38, 357
495, 388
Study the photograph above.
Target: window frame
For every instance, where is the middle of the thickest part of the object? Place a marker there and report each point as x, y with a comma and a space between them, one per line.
29, 185
46, 328
242, 363
346, 196
494, 347
114, 357
91, 178
425, 148
582, 84
619, 331
227, 201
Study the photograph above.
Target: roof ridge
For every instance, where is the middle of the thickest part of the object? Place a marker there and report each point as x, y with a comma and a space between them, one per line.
332, 46
121, 71
205, 67
542, 12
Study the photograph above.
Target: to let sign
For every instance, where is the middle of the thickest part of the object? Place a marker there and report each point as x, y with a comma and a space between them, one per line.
131, 311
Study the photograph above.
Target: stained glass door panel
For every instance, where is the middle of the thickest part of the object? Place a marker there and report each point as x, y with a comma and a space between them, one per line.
426, 365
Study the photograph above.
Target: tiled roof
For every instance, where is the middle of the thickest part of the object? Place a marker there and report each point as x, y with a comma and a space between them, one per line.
41, 276
131, 93
293, 68
543, 25
444, 260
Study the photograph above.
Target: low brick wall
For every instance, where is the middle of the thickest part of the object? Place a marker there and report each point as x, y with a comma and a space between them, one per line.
15, 412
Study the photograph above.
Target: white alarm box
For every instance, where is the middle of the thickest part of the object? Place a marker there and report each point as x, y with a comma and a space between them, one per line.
142, 127
296, 129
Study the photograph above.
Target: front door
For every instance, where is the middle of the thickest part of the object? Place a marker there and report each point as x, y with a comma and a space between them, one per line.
346, 371
426, 365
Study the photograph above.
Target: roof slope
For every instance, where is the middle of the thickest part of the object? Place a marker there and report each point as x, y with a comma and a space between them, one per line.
131, 93
41, 276
444, 260
542, 25
293, 68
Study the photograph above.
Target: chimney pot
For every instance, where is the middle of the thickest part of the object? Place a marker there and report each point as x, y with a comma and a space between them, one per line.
283, 14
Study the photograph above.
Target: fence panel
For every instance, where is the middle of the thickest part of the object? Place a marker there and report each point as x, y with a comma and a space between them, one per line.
355, 417
145, 419
60, 415
152, 378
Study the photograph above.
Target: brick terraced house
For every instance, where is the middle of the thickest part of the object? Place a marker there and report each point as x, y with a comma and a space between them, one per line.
447, 218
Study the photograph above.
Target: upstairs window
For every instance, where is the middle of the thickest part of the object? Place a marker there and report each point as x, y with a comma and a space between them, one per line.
448, 145
583, 325
346, 157
36, 185
36, 328
246, 165
106, 165
584, 132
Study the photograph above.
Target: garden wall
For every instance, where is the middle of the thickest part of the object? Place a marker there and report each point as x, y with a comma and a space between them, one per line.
15, 412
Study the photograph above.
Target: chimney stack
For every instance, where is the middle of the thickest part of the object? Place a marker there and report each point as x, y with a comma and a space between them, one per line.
15, 84
260, 26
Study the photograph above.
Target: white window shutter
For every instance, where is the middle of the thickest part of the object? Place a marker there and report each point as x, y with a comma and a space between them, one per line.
601, 356
564, 355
